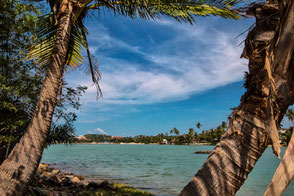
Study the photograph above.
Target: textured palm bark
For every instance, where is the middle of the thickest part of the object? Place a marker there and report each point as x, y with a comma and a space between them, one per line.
17, 170
285, 172
247, 136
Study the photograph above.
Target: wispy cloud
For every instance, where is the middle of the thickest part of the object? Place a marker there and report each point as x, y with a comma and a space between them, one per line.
193, 60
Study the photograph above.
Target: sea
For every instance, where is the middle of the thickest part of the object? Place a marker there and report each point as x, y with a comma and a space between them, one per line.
160, 169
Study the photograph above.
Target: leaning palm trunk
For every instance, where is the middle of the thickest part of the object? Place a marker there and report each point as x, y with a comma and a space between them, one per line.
253, 123
21, 164
284, 174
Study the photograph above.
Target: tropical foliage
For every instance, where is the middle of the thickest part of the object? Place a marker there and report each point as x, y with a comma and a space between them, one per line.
20, 81
211, 136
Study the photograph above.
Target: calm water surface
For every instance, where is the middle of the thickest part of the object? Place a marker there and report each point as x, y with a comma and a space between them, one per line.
160, 169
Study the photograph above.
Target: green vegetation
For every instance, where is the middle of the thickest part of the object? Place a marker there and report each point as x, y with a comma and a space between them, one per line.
285, 134
120, 190
21, 81
211, 136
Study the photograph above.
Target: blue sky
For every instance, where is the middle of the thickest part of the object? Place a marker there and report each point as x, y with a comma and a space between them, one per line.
161, 74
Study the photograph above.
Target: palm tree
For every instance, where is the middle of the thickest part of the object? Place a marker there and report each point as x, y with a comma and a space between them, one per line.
198, 125
290, 115
224, 125
176, 131
191, 135
61, 36
191, 132
253, 124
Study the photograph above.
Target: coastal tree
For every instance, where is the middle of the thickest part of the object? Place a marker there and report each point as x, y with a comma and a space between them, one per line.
290, 115
176, 131
191, 135
61, 37
253, 124
198, 125
20, 80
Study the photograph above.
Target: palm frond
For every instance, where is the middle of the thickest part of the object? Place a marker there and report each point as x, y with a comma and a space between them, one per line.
45, 41
61, 134
92, 66
181, 10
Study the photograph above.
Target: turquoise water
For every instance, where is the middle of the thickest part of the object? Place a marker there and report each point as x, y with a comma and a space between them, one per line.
160, 169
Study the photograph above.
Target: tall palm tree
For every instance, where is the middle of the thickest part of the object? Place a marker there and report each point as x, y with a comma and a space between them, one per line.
191, 135
191, 132
253, 124
59, 48
176, 131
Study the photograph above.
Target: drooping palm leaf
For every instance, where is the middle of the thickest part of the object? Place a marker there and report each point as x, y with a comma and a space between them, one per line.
181, 10
45, 40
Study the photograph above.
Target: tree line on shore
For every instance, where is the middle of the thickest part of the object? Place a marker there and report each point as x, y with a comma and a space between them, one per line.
211, 136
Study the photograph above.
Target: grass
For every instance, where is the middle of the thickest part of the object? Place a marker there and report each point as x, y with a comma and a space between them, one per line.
119, 190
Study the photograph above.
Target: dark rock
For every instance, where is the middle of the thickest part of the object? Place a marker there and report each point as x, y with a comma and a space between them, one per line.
66, 181
37, 191
202, 152
106, 185
80, 185
50, 169
51, 181
93, 185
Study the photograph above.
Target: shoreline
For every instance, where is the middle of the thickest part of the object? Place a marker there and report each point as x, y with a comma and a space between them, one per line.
49, 180
197, 144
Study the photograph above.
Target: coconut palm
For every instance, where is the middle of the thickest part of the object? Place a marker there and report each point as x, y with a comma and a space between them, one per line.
58, 48
176, 131
198, 125
191, 132
253, 124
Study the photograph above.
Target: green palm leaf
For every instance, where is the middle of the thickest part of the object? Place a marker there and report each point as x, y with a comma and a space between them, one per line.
181, 10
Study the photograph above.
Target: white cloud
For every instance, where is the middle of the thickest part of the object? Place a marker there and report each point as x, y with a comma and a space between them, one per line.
99, 131
196, 59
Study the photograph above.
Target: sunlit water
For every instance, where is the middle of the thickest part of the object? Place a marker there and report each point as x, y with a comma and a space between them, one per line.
160, 169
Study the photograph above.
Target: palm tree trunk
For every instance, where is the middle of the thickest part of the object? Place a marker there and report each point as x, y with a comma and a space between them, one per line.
284, 174
20, 166
269, 85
